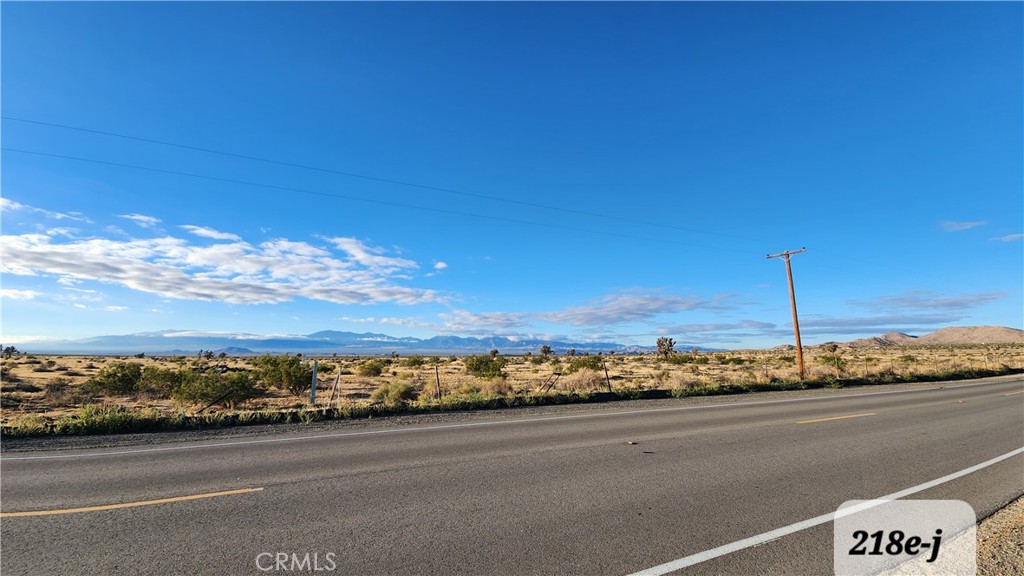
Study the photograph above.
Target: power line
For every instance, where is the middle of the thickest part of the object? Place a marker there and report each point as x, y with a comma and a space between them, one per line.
366, 200
418, 186
377, 179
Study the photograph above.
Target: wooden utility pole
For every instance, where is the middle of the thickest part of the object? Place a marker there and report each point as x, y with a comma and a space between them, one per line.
792, 302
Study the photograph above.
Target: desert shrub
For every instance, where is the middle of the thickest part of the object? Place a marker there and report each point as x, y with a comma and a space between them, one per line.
28, 425
118, 378
58, 388
394, 394
662, 377
485, 366
6, 375
99, 419
687, 359
372, 368
499, 386
61, 391
537, 360
211, 386
326, 368
162, 382
578, 363
833, 361
413, 362
21, 387
287, 372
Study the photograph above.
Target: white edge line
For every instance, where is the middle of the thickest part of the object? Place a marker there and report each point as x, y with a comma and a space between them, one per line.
475, 424
810, 523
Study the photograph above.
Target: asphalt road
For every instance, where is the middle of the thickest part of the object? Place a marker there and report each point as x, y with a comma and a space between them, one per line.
602, 490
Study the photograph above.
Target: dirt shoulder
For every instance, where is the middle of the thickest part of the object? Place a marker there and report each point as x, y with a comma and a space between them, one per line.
1001, 541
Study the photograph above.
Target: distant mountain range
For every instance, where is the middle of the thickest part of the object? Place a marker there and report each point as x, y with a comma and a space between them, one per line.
324, 342
329, 341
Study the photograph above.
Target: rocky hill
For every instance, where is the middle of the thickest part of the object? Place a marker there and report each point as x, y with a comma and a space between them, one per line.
946, 336
974, 335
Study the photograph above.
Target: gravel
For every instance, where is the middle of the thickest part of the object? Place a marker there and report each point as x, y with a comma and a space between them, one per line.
1001, 541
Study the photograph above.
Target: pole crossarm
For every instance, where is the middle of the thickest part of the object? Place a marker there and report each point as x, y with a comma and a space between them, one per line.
786, 254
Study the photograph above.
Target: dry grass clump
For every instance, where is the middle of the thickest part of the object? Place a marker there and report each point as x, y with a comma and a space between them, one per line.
583, 380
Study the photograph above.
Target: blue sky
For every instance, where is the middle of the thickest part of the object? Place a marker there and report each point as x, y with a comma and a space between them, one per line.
610, 171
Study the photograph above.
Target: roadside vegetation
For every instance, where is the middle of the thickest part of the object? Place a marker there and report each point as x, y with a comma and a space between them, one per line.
96, 395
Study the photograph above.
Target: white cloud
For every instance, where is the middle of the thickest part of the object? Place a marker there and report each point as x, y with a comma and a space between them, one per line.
12, 294
1009, 238
141, 220
116, 308
955, 226
369, 256
606, 311
232, 335
628, 307
464, 321
68, 232
8, 205
207, 232
440, 265
927, 300
407, 322
7, 339
236, 272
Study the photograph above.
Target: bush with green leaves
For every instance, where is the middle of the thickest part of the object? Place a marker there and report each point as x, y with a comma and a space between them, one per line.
161, 382
834, 361
287, 372
687, 359
485, 366
413, 362
372, 368
118, 378
578, 363
211, 386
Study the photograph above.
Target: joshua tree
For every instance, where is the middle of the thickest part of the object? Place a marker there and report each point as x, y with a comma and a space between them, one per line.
666, 346
545, 350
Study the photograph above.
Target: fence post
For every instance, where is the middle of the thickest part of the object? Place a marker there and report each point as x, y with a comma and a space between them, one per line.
437, 378
312, 388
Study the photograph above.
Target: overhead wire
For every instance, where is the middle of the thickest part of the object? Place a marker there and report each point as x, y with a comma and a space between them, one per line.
380, 180
366, 200
410, 185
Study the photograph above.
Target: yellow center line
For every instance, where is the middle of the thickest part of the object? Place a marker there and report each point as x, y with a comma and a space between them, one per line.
1012, 393
129, 504
836, 418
